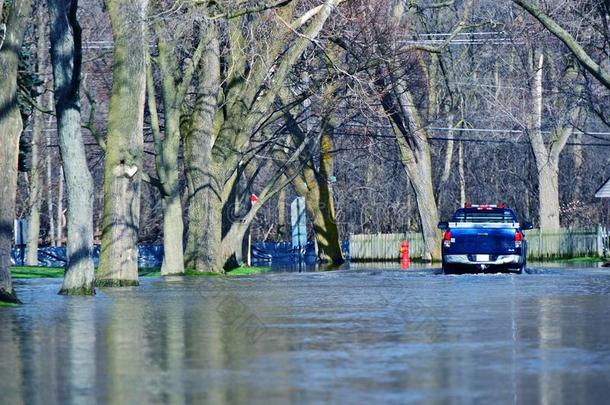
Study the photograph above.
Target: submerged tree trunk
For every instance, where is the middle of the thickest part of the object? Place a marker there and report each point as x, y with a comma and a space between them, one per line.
124, 146
320, 202
10, 130
66, 58
168, 172
204, 189
175, 83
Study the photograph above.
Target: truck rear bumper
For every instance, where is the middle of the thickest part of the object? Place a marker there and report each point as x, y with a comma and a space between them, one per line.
494, 260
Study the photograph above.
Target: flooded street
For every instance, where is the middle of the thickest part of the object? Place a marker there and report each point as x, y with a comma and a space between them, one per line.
365, 335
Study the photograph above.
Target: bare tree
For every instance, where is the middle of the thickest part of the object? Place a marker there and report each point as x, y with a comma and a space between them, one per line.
221, 133
38, 126
66, 57
10, 130
124, 145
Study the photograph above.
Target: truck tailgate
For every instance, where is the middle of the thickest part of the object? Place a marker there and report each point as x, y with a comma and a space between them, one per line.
482, 240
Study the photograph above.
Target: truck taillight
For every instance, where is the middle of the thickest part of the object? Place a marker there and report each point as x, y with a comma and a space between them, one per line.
518, 239
447, 238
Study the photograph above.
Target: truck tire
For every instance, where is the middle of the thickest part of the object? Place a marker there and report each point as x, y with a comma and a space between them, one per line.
448, 269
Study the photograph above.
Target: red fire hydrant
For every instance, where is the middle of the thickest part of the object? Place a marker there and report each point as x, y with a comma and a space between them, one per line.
404, 255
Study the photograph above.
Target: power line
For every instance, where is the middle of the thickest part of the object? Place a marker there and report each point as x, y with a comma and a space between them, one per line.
506, 141
484, 130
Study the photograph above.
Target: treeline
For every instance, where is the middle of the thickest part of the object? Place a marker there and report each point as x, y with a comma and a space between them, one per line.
192, 123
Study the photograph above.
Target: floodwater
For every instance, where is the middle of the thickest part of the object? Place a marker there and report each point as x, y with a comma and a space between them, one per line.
357, 336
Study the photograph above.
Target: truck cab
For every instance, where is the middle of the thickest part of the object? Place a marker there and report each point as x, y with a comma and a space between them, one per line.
484, 238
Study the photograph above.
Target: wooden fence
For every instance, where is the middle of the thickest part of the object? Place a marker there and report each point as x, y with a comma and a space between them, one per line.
566, 243
384, 246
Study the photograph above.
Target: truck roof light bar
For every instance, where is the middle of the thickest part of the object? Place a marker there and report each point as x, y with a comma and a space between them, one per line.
484, 206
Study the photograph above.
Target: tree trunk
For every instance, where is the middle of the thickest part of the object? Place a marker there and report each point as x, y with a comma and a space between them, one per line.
10, 130
447, 161
66, 59
203, 249
166, 163
309, 185
461, 174
548, 194
205, 183
168, 148
37, 129
547, 157
124, 145
35, 192
49, 162
282, 228
578, 162
421, 179
415, 154
223, 138
327, 233
173, 228
59, 238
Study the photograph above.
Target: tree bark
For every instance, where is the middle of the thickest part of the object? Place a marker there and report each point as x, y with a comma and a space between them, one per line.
124, 145
37, 129
461, 174
577, 155
282, 228
548, 194
59, 211
168, 172
66, 59
11, 126
50, 213
35, 192
444, 180
204, 188
329, 240
174, 85
415, 154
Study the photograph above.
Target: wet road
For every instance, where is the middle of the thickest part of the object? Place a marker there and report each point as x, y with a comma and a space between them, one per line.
353, 336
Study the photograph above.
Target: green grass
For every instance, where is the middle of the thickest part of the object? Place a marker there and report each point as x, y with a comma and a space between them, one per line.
247, 271
7, 305
29, 272
149, 271
584, 259
240, 271
26, 272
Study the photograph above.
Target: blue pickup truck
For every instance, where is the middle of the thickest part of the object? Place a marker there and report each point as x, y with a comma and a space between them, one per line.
484, 238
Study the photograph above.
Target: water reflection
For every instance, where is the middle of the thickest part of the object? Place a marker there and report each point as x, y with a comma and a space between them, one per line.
347, 336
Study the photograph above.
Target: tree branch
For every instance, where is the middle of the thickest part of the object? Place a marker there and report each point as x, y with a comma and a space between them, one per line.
252, 10
583, 57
